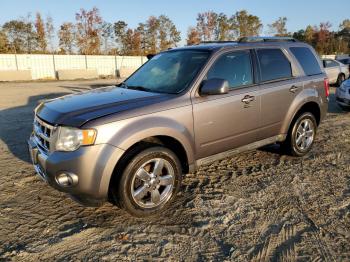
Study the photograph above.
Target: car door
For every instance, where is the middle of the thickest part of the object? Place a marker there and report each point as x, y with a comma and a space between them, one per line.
332, 70
223, 122
278, 89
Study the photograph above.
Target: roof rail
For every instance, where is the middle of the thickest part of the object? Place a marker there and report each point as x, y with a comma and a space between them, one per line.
252, 39
218, 42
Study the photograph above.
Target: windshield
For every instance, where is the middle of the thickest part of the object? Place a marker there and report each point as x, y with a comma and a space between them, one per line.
169, 72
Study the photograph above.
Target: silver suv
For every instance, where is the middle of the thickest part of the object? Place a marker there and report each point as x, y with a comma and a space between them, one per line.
132, 143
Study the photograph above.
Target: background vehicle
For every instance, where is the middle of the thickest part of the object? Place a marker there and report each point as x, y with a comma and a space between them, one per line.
184, 108
345, 61
336, 71
342, 95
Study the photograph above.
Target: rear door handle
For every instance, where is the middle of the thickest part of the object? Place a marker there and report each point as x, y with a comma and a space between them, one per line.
247, 99
293, 89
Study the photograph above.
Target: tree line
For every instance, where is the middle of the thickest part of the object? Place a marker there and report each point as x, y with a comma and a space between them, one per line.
90, 34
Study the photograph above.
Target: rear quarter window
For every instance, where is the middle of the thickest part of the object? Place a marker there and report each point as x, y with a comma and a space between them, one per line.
307, 60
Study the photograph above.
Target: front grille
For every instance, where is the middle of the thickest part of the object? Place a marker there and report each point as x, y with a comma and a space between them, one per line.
42, 133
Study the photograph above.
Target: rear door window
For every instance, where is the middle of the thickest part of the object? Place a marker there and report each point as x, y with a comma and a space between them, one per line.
235, 67
330, 63
307, 60
274, 65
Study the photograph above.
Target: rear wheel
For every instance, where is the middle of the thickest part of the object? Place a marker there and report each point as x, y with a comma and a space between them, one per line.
301, 135
149, 182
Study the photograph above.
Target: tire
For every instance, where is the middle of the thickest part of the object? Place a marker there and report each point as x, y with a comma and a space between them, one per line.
344, 108
301, 136
140, 181
340, 80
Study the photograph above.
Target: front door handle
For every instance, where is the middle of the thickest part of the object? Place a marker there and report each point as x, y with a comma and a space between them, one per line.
247, 99
293, 89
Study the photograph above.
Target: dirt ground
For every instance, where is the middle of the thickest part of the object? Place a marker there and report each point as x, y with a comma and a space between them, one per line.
258, 205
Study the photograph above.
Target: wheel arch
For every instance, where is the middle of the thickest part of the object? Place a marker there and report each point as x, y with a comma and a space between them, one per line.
309, 106
166, 141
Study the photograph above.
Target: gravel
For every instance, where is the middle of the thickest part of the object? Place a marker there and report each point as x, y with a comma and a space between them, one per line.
259, 205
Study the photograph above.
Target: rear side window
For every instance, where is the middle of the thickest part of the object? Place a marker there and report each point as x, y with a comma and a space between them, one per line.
274, 65
330, 63
234, 67
307, 60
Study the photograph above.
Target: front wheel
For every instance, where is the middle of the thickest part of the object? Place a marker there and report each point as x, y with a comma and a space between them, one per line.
149, 182
301, 135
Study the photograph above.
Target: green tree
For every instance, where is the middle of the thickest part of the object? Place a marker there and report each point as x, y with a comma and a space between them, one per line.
245, 24
299, 35
309, 35
151, 36
223, 28
120, 28
21, 36
169, 36
4, 45
345, 24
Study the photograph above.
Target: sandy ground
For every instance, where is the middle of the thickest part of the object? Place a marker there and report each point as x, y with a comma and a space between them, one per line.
259, 205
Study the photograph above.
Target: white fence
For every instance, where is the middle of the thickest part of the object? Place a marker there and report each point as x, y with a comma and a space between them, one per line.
46, 66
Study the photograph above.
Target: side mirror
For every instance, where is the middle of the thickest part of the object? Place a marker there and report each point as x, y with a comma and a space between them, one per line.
215, 86
150, 56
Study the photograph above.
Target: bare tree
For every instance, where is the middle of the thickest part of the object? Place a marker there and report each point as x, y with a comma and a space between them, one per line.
278, 28
107, 34
88, 31
40, 32
193, 36
206, 25
66, 36
50, 31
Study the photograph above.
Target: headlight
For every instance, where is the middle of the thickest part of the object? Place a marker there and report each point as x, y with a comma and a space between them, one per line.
70, 138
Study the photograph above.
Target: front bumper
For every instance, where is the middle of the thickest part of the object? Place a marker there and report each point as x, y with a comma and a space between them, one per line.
343, 101
343, 97
93, 165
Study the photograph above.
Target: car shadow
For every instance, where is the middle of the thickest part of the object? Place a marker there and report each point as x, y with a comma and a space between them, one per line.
16, 125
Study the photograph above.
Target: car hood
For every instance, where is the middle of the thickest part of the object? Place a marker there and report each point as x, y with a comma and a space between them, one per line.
77, 109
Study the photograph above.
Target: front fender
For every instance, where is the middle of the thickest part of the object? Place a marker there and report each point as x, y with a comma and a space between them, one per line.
124, 134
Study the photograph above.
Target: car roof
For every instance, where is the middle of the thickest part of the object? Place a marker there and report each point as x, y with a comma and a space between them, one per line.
215, 46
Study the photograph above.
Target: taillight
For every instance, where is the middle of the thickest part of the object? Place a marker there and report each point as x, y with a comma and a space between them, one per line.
326, 86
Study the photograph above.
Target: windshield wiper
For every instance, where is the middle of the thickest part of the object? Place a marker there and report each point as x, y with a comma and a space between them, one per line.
141, 88
122, 85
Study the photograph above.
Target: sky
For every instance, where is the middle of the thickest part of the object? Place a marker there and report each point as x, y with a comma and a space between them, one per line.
183, 13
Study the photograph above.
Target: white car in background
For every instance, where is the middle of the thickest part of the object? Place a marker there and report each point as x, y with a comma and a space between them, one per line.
342, 95
336, 71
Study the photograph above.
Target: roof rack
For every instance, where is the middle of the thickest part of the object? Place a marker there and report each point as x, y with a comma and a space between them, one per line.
254, 39
218, 42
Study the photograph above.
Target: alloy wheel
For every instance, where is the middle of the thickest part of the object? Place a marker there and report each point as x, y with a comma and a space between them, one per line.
305, 134
152, 183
